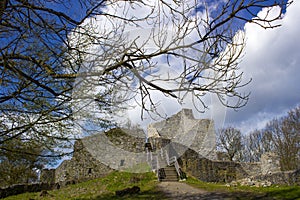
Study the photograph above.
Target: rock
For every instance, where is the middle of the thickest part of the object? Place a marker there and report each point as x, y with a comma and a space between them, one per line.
249, 182
44, 193
126, 191
134, 180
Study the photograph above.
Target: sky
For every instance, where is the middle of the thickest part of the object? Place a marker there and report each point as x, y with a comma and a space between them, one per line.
271, 59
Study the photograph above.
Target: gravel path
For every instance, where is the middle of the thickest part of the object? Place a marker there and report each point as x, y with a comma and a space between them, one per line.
181, 190
173, 189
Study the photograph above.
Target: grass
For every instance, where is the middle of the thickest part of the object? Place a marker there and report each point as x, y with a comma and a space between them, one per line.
104, 189
279, 192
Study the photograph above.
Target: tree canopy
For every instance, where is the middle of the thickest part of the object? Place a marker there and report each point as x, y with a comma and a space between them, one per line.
20, 161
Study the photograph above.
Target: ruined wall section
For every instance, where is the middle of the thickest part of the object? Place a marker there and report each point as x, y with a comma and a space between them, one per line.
117, 149
270, 163
128, 140
252, 169
97, 155
47, 176
183, 128
81, 167
208, 170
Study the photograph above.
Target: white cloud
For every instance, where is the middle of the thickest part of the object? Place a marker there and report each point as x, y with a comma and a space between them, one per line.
272, 59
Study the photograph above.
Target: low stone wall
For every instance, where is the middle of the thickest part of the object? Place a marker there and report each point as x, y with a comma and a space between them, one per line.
252, 169
226, 171
23, 188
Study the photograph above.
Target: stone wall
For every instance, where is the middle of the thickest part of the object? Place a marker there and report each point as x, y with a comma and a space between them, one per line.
252, 169
81, 167
281, 177
118, 148
183, 128
158, 143
208, 170
227, 171
270, 163
97, 155
47, 176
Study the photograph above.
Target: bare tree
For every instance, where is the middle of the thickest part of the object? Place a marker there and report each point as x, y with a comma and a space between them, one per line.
280, 136
257, 143
286, 139
46, 45
230, 140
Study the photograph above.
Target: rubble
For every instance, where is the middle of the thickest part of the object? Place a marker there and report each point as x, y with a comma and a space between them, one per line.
249, 182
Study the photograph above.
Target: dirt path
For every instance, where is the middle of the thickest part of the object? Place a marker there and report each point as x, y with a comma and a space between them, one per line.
181, 190
178, 188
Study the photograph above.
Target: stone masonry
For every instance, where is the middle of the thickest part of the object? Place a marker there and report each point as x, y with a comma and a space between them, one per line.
97, 155
183, 128
269, 163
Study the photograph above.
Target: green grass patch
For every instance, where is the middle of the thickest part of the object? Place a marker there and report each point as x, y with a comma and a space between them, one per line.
102, 188
139, 168
279, 192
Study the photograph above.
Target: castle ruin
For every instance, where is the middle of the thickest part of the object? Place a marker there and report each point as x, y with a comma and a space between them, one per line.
192, 142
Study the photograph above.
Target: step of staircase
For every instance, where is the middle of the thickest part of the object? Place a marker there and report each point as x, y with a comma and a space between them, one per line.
169, 174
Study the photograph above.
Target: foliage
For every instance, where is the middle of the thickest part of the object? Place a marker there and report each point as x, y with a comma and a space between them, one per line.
256, 144
286, 139
19, 162
280, 136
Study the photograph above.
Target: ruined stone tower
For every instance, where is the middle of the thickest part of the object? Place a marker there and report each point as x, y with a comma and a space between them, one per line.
197, 134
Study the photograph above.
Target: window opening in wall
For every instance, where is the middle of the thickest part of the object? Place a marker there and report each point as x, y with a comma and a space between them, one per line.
89, 170
148, 146
66, 174
122, 162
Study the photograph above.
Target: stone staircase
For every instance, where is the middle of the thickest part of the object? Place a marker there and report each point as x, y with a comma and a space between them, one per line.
167, 168
168, 174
